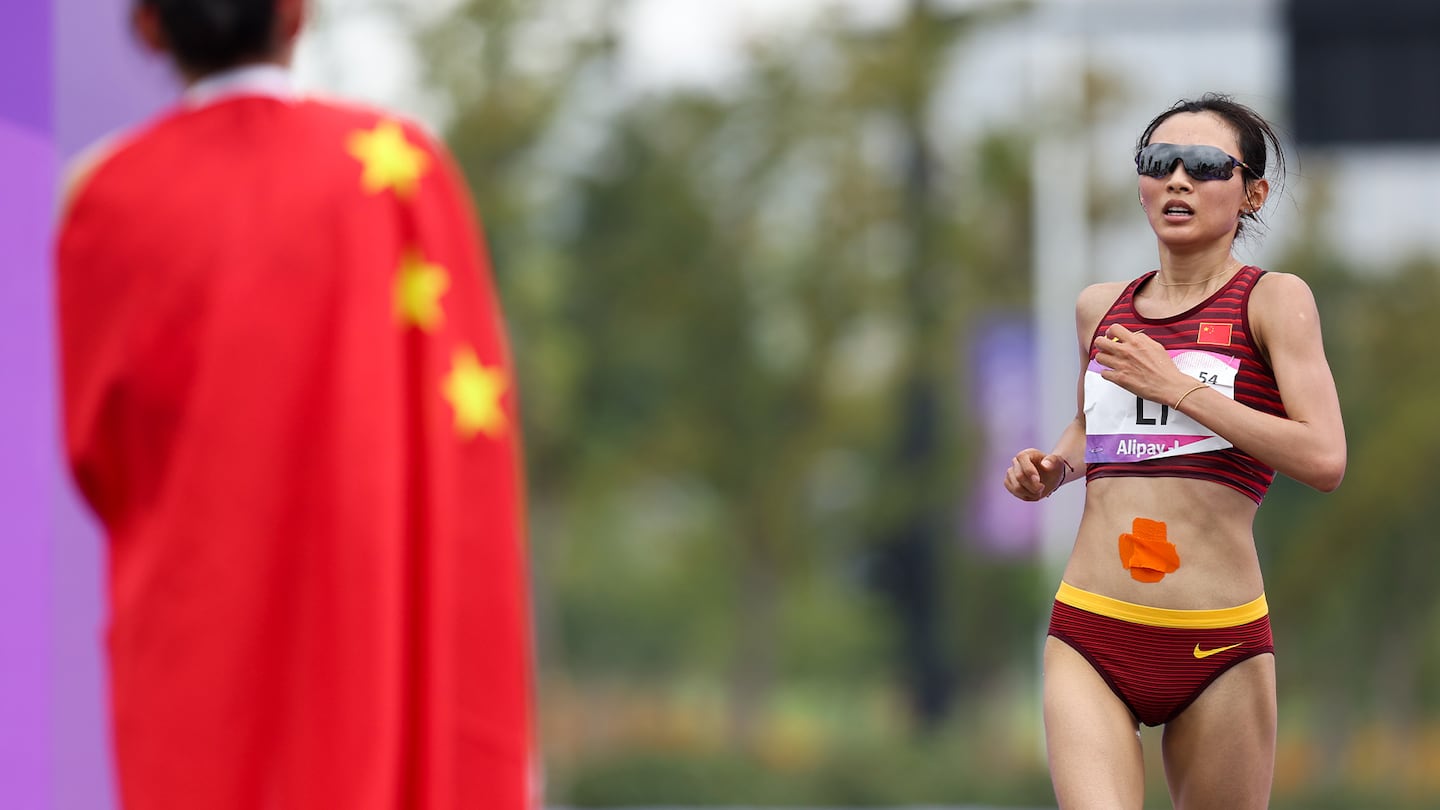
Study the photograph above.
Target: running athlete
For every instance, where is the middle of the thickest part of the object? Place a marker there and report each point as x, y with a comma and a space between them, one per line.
1198, 382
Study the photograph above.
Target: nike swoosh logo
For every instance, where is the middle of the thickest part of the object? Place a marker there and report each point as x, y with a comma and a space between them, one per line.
1199, 653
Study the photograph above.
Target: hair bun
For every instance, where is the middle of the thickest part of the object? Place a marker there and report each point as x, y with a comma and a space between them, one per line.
206, 36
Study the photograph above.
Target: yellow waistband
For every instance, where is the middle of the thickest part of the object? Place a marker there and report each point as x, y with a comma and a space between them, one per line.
1161, 617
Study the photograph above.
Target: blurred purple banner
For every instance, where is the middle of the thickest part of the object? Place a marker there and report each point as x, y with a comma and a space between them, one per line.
1002, 372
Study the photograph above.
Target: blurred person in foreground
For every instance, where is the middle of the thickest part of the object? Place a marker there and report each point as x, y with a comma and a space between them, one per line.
1198, 382
288, 399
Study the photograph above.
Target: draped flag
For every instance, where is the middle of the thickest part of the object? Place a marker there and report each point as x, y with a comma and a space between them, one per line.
288, 398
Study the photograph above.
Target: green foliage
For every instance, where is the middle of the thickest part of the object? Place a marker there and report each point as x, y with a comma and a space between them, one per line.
1354, 570
961, 764
717, 319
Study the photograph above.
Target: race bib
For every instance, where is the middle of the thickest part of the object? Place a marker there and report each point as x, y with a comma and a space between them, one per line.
1122, 427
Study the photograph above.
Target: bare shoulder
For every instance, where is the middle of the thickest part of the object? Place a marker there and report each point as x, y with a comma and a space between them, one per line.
1281, 289
82, 168
1280, 298
1095, 300
1282, 312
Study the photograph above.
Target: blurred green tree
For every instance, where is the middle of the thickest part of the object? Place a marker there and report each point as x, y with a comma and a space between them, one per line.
1354, 570
739, 316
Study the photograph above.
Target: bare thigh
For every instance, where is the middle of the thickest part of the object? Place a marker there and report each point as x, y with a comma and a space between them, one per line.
1095, 757
1220, 752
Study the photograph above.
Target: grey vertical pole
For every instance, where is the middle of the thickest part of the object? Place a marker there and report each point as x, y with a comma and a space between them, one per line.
1061, 177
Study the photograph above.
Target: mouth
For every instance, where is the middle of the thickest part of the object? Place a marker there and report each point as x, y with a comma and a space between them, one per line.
1175, 211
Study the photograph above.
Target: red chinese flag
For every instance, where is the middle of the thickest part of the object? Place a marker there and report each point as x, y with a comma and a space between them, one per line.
289, 400
1214, 334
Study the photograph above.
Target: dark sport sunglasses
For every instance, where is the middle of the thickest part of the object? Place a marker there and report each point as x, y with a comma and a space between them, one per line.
1201, 162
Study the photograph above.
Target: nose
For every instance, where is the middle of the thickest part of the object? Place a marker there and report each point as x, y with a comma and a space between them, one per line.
1179, 180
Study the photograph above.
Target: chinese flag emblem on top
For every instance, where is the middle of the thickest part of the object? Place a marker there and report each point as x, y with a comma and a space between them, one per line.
1214, 334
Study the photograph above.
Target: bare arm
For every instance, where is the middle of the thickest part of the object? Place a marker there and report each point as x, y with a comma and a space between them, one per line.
1034, 475
1309, 443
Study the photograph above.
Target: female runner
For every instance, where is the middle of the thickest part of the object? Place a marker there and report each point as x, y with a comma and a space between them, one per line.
1199, 381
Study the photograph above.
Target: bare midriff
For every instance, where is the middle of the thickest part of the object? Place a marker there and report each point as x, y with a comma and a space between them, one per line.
1211, 526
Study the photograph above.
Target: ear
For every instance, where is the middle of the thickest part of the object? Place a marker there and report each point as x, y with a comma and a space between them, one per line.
1255, 195
290, 17
146, 24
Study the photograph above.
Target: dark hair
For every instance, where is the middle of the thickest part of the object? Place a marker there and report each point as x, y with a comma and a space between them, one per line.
206, 36
1257, 138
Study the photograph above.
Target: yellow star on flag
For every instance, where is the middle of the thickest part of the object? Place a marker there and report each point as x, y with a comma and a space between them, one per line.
474, 391
389, 160
418, 287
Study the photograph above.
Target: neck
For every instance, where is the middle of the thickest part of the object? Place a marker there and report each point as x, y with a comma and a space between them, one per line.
1193, 269
280, 60
255, 79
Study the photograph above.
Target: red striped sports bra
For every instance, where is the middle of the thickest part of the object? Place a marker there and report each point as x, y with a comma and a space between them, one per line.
1127, 436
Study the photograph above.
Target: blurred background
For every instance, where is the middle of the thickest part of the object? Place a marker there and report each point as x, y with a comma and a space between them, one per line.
788, 282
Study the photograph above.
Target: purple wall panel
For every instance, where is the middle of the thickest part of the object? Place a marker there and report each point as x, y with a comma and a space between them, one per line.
27, 464
27, 459
25, 67
103, 84
70, 73
104, 80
